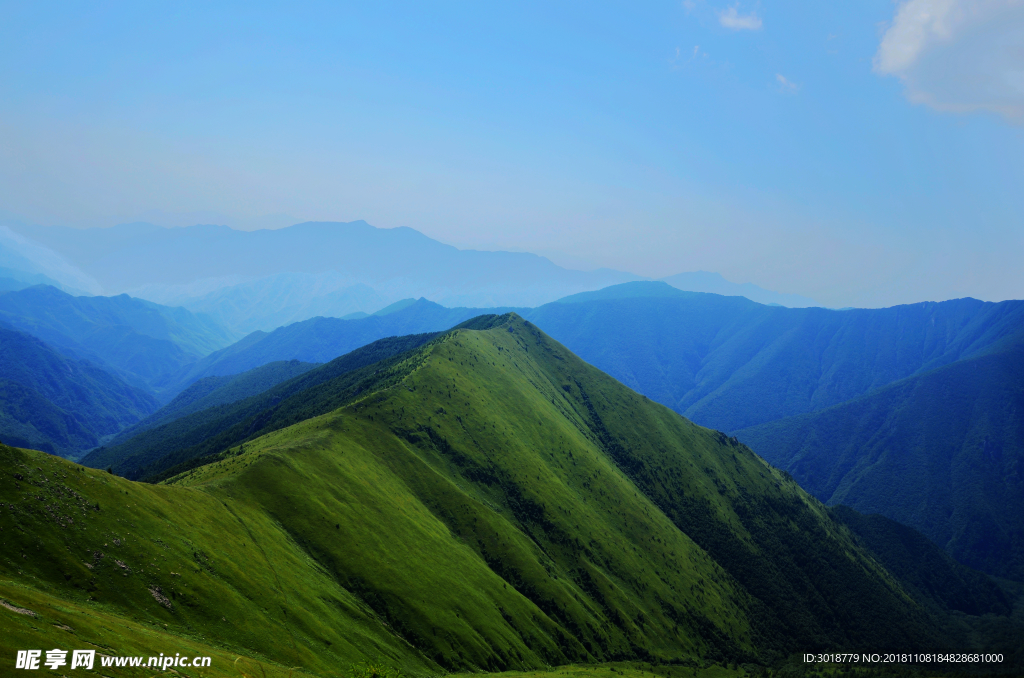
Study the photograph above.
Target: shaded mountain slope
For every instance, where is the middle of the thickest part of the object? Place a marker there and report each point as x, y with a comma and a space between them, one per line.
490, 502
156, 450
942, 452
320, 340
57, 404
213, 391
925, 569
141, 340
29, 419
728, 363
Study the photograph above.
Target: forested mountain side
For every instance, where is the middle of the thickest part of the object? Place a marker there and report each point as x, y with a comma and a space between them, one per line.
63, 406
729, 363
942, 452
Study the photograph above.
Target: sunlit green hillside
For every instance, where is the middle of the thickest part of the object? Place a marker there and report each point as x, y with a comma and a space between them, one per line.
494, 503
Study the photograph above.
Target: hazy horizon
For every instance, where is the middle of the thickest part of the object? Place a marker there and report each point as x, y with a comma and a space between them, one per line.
862, 156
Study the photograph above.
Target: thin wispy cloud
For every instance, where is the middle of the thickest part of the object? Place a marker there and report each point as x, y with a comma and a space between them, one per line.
958, 55
733, 20
785, 84
678, 62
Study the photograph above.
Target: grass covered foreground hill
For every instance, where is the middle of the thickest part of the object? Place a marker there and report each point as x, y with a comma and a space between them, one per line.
493, 503
942, 452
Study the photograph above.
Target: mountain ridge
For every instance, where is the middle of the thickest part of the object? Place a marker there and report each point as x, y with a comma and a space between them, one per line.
730, 363
489, 502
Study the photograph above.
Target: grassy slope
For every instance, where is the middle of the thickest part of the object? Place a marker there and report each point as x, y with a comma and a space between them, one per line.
776, 542
942, 452
235, 581
503, 505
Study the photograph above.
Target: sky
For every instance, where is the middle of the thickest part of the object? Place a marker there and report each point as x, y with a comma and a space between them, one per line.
862, 154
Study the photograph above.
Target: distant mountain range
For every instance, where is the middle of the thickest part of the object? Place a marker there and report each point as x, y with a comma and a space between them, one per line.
261, 280
396, 263
25, 262
144, 343
729, 363
212, 392
714, 283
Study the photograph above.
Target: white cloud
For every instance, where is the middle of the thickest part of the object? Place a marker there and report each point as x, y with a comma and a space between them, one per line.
732, 19
785, 84
958, 55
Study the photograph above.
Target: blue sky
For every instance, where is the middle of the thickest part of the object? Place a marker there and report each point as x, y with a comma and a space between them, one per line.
864, 153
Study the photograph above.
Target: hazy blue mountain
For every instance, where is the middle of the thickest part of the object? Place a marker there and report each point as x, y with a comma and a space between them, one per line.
144, 342
52, 403
13, 279
729, 363
261, 280
320, 340
942, 452
213, 391
704, 281
25, 260
396, 263
278, 300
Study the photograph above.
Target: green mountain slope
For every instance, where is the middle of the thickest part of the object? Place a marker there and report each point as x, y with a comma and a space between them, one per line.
209, 431
213, 391
490, 501
63, 406
942, 452
144, 342
729, 363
